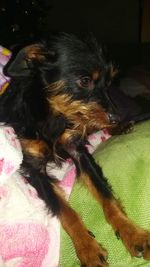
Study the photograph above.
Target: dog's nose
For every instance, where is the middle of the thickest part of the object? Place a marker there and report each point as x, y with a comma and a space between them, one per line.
113, 118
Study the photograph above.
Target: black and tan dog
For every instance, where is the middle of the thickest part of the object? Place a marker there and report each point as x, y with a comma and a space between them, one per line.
55, 99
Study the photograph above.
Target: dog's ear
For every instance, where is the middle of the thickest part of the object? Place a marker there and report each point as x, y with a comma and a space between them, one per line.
28, 59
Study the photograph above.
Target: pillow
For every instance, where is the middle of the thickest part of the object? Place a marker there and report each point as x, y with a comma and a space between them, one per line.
125, 161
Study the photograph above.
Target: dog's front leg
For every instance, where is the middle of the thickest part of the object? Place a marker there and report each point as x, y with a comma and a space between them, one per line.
136, 240
89, 252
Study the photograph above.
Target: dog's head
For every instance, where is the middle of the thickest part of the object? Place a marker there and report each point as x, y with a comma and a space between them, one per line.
72, 75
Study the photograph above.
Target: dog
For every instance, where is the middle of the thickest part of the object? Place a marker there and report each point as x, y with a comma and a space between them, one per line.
56, 98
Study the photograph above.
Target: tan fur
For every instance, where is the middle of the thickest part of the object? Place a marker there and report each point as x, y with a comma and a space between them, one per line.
96, 75
132, 236
83, 241
34, 52
56, 87
36, 148
85, 117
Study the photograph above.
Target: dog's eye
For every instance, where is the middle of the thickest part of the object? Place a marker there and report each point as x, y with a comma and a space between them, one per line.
86, 82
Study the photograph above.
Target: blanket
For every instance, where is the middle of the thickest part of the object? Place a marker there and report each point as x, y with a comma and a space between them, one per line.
125, 161
5, 55
29, 235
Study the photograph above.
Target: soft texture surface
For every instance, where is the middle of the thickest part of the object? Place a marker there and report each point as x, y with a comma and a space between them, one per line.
5, 55
29, 235
126, 162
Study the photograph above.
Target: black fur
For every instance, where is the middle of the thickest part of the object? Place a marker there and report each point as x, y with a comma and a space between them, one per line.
24, 105
57, 97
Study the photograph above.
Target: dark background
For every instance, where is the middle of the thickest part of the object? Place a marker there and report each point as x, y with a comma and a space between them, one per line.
124, 25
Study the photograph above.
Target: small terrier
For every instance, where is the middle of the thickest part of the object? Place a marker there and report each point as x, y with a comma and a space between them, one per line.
56, 98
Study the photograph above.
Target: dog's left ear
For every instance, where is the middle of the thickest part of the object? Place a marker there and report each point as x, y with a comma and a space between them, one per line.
113, 73
27, 59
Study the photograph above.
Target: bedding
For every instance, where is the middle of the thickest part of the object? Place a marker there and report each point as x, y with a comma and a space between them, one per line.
125, 161
29, 235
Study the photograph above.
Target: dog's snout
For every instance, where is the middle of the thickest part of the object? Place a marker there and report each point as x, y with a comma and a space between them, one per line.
113, 118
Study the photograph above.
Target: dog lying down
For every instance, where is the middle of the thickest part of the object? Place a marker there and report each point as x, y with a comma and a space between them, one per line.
56, 98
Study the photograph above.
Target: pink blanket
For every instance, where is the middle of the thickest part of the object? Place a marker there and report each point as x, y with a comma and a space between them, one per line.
29, 235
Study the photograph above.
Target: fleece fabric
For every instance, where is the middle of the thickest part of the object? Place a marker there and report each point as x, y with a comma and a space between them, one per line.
125, 161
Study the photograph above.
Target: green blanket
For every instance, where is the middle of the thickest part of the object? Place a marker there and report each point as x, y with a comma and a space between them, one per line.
125, 161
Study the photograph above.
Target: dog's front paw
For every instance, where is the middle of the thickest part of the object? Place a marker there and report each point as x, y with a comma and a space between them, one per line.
91, 254
127, 127
136, 240
123, 128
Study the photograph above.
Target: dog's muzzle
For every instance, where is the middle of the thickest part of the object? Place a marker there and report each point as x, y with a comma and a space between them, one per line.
113, 118
112, 114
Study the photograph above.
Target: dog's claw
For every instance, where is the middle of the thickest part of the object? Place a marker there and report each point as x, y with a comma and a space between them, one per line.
91, 254
123, 128
128, 127
143, 251
139, 255
137, 241
103, 258
117, 235
91, 233
139, 249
